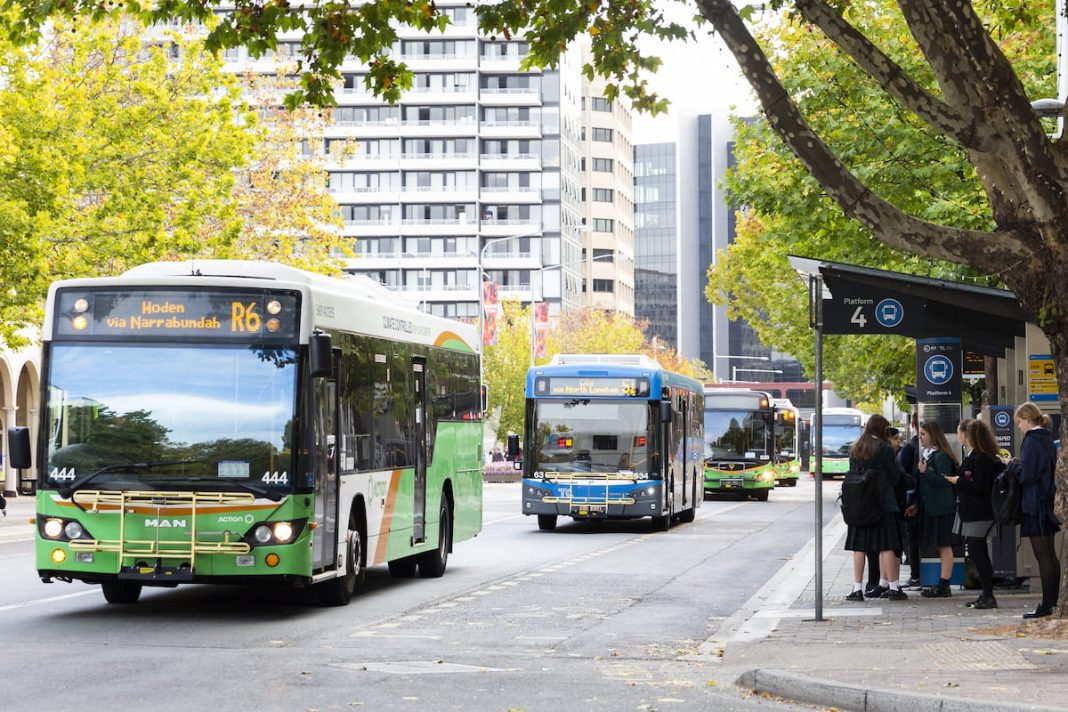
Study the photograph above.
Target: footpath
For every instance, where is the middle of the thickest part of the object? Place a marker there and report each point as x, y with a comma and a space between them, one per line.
16, 525
918, 655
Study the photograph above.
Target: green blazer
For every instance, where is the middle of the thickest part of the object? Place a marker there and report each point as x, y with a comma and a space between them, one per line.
936, 495
885, 463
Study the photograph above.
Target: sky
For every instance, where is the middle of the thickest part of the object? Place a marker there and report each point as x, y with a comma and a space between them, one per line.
697, 77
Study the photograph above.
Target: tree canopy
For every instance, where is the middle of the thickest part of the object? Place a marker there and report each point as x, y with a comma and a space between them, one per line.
787, 212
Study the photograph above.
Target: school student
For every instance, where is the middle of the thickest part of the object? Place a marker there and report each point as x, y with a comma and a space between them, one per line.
975, 517
1038, 458
938, 503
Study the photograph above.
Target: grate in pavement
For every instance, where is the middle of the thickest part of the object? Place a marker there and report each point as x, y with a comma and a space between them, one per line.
974, 655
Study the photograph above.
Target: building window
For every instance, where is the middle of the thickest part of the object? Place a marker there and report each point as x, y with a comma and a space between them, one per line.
603, 285
602, 195
602, 165
602, 135
600, 255
599, 103
602, 225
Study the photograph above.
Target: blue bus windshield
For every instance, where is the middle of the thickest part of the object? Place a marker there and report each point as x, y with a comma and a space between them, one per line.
589, 435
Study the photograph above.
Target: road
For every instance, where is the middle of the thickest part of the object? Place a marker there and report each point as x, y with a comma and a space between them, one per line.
587, 617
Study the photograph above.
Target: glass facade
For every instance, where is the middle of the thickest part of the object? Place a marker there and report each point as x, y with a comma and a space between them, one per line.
656, 240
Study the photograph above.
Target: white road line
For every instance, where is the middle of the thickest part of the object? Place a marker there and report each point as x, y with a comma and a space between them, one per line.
502, 519
51, 599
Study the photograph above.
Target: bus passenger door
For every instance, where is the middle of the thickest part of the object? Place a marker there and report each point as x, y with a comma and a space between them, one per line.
325, 457
420, 450
682, 421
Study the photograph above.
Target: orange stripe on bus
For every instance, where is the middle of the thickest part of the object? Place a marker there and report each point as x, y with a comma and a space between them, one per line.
387, 517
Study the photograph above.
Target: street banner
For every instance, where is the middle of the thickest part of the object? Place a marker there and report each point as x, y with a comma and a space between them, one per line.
490, 306
541, 330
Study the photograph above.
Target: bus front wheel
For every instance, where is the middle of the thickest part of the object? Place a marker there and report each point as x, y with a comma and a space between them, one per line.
687, 515
761, 495
546, 522
339, 591
121, 591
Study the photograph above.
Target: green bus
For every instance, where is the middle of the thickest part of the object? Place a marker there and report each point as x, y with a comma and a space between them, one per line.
840, 427
248, 422
787, 443
739, 442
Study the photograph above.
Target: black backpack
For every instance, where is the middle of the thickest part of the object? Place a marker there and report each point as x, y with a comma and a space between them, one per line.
1005, 497
861, 498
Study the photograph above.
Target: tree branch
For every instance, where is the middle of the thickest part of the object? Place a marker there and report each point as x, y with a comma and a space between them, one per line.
894, 80
989, 251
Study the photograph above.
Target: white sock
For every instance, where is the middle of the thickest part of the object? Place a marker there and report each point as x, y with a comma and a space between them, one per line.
895, 586
858, 586
883, 582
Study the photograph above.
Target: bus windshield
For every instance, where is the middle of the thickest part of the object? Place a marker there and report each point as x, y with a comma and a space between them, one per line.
735, 434
586, 435
785, 437
837, 439
167, 415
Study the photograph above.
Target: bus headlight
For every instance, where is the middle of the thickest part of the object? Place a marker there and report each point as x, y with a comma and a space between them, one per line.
74, 530
262, 534
283, 532
53, 528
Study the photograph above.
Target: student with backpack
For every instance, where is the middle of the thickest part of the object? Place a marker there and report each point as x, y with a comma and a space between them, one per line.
1038, 458
872, 465
975, 517
938, 503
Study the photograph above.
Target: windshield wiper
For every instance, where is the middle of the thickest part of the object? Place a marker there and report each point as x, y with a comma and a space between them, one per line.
73, 487
253, 489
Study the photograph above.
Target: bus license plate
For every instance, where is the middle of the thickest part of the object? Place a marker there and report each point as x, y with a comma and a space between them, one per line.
593, 510
732, 484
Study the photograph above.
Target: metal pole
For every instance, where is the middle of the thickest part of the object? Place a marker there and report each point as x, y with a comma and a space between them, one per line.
815, 306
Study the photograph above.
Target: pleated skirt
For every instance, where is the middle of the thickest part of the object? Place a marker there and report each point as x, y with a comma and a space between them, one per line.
884, 536
937, 531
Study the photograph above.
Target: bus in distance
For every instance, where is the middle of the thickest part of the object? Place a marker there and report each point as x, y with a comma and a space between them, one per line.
739, 442
787, 443
611, 437
248, 422
841, 426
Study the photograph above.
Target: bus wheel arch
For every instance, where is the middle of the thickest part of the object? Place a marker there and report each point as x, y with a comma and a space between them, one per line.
432, 563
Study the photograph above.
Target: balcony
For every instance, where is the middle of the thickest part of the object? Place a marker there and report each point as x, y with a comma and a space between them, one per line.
509, 96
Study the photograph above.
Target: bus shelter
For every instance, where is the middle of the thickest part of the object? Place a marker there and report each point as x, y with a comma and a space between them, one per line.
850, 299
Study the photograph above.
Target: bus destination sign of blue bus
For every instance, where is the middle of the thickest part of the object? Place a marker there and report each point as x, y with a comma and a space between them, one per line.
600, 386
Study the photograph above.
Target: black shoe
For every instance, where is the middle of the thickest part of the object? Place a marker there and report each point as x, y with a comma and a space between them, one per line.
1040, 612
936, 592
912, 583
855, 596
896, 594
877, 592
985, 603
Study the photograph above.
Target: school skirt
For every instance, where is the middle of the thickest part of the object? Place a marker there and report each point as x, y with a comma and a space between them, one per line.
884, 536
973, 530
937, 531
1043, 524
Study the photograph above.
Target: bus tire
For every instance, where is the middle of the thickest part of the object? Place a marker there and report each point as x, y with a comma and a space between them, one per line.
546, 522
761, 495
403, 568
340, 590
432, 563
687, 515
120, 592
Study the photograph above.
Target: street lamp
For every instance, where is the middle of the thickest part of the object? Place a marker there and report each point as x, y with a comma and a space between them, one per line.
747, 358
735, 370
541, 286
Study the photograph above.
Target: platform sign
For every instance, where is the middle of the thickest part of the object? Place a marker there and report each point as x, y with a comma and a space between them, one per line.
1003, 427
1041, 378
938, 370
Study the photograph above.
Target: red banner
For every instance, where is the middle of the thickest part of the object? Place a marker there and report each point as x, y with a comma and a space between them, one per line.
489, 313
541, 330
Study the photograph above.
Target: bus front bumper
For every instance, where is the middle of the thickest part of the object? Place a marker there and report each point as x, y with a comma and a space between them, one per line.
592, 501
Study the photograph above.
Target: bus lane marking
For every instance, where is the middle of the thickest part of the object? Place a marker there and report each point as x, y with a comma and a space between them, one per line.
50, 599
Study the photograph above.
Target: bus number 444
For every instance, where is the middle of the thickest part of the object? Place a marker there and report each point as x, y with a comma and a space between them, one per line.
275, 478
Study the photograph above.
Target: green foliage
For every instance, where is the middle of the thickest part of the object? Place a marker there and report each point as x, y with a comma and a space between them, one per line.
893, 152
113, 155
505, 366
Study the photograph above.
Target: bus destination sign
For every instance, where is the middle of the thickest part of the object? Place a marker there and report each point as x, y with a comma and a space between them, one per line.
169, 313
568, 386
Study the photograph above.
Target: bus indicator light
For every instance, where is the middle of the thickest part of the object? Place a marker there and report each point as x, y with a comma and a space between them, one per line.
81, 305
58, 556
272, 560
639, 440
274, 306
79, 323
273, 325
564, 442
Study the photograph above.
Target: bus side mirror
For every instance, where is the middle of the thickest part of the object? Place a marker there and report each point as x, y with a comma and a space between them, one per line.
18, 443
513, 447
320, 355
665, 411
484, 397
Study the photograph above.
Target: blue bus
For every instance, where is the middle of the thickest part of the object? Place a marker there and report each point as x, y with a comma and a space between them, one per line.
611, 436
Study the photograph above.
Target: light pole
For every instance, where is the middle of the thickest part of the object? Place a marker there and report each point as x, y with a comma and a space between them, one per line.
735, 370
541, 288
746, 358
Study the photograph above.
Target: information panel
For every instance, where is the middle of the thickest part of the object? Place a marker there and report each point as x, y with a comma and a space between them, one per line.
569, 386
1041, 378
168, 313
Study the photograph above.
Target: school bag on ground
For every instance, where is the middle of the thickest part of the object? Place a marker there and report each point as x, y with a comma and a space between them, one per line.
861, 498
1005, 497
